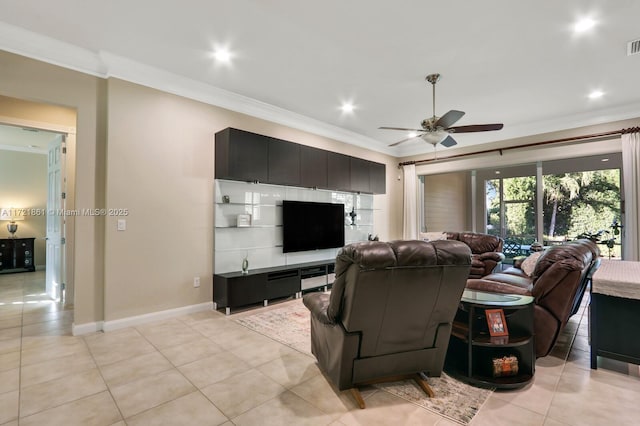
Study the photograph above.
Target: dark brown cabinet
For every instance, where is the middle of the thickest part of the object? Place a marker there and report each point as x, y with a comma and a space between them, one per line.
377, 178
338, 171
250, 157
241, 156
360, 172
313, 167
284, 163
16, 255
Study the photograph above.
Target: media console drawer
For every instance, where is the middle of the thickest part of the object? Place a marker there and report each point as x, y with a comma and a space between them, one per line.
313, 277
313, 282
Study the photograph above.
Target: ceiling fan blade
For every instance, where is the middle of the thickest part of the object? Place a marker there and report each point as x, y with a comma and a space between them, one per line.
401, 128
403, 140
449, 118
449, 142
476, 128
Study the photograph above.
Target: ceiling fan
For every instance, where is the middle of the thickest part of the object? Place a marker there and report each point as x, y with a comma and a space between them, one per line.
437, 130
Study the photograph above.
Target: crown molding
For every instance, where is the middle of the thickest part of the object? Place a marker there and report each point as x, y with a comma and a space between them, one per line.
35, 46
556, 124
105, 64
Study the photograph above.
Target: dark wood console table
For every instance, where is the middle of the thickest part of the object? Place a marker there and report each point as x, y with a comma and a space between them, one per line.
235, 289
472, 349
16, 255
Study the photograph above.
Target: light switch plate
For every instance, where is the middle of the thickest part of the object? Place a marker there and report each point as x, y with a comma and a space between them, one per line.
122, 224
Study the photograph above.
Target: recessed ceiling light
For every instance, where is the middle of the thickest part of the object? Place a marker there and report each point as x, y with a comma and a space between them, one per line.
583, 25
33, 146
497, 172
412, 134
222, 55
347, 107
604, 160
596, 94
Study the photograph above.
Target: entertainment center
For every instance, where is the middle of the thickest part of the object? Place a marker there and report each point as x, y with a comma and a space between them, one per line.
282, 212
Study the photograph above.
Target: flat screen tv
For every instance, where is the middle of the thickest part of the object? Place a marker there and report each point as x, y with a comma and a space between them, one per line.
311, 226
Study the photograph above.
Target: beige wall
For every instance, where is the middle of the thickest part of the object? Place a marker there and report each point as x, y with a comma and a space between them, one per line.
151, 153
160, 157
23, 183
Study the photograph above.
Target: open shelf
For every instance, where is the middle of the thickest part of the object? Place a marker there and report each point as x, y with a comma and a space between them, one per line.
472, 349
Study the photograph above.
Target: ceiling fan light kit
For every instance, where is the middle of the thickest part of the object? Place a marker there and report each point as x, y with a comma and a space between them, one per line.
434, 138
437, 130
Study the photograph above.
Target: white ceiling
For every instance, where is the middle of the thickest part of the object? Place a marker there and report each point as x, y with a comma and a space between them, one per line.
515, 62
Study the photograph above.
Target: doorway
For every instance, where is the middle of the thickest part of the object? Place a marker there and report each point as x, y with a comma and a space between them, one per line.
33, 183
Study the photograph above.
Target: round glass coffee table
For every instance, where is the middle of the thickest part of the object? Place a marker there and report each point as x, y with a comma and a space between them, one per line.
492, 340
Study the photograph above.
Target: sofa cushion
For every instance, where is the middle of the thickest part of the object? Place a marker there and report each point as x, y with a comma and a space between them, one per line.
520, 281
529, 264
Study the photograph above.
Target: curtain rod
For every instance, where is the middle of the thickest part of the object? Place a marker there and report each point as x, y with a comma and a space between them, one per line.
528, 145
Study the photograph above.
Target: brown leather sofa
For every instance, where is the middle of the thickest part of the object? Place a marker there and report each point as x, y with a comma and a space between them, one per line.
486, 251
389, 313
557, 283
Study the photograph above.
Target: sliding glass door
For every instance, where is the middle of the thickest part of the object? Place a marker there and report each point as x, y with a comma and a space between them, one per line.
511, 212
583, 204
580, 198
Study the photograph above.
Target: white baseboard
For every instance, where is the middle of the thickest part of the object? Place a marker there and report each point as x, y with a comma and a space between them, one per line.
107, 326
90, 327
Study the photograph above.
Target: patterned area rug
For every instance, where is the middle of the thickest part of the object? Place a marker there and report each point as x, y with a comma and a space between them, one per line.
289, 324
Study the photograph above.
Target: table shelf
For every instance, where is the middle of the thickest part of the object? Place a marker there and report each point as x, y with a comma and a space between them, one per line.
470, 358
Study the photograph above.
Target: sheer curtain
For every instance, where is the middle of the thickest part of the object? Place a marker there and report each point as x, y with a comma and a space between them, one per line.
410, 218
631, 180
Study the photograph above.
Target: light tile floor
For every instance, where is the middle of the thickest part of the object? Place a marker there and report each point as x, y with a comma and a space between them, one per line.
204, 369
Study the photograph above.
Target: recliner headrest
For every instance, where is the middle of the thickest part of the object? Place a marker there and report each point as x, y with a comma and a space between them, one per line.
403, 253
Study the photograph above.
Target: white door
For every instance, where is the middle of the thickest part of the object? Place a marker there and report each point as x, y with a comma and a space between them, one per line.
55, 219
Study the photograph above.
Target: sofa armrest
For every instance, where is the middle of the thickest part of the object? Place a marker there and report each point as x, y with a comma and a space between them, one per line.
317, 303
490, 286
553, 276
491, 255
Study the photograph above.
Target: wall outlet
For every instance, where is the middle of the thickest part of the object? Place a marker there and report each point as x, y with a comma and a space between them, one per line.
196, 282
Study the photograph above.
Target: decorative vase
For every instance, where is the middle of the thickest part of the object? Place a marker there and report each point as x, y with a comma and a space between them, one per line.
245, 265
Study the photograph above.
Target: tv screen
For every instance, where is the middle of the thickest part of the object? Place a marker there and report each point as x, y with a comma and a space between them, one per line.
311, 225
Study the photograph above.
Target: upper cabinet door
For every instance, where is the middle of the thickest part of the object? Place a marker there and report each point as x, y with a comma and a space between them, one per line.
360, 175
313, 167
284, 163
378, 178
241, 155
338, 171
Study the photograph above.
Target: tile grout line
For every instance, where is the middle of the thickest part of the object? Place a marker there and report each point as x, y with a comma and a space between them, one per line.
584, 310
102, 377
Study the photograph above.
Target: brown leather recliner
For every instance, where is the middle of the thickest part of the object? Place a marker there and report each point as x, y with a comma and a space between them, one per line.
557, 283
389, 313
486, 251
